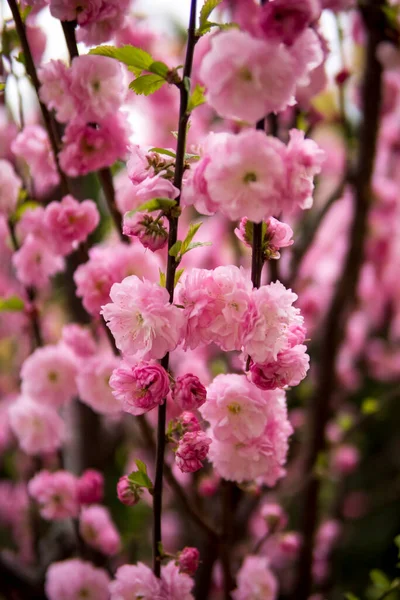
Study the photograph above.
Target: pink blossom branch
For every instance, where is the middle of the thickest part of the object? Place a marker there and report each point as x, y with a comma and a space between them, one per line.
344, 294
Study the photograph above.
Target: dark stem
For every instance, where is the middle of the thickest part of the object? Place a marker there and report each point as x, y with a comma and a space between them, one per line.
345, 292
228, 514
170, 282
49, 122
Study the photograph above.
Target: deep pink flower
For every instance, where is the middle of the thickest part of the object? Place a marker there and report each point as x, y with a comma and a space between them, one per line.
285, 20
188, 392
69, 222
90, 487
188, 560
290, 368
151, 233
127, 493
35, 262
140, 388
192, 450
56, 494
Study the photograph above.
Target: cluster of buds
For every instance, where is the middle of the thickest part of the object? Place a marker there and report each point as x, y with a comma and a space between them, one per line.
276, 235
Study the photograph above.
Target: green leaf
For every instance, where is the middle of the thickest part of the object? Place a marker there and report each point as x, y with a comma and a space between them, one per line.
163, 151
248, 230
206, 10
146, 84
379, 579
163, 279
198, 245
370, 406
25, 13
159, 68
197, 98
345, 421
11, 304
141, 466
154, 204
137, 59
140, 479
178, 275
193, 229
174, 251
350, 596
2, 86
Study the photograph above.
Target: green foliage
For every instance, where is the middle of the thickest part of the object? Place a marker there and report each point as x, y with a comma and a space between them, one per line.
178, 275
174, 251
164, 151
380, 580
11, 304
205, 25
146, 84
154, 204
182, 247
370, 406
163, 279
140, 477
197, 98
350, 596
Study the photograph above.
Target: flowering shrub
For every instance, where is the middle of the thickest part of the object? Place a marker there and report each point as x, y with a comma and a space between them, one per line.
199, 299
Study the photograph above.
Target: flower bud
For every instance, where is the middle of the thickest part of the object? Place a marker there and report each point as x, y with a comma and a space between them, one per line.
149, 231
128, 493
189, 393
188, 560
90, 487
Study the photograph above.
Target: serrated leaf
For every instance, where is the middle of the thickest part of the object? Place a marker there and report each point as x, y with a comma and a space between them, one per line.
11, 304
163, 279
379, 579
207, 9
198, 245
141, 466
197, 98
159, 68
163, 151
154, 204
370, 406
193, 229
174, 250
137, 59
178, 275
146, 84
140, 479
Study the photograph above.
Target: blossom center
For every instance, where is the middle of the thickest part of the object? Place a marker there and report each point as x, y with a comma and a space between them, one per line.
234, 408
245, 74
52, 376
250, 177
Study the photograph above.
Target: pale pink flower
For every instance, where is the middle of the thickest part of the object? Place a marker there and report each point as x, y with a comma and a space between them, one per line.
143, 322
277, 235
303, 159
93, 383
98, 530
38, 428
188, 392
270, 333
101, 20
69, 222
48, 376
235, 408
345, 459
128, 493
98, 86
10, 185
192, 450
274, 516
89, 147
90, 487
290, 368
74, 578
35, 262
79, 340
135, 581
188, 560
255, 580
247, 78
55, 89
33, 146
261, 457
308, 53
110, 265
150, 232
285, 20
155, 187
55, 493
138, 166
141, 387
174, 584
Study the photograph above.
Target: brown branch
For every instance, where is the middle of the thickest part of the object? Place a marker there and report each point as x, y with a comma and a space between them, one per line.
345, 292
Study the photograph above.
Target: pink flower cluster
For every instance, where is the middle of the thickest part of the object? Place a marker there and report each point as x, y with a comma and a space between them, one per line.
253, 175
249, 429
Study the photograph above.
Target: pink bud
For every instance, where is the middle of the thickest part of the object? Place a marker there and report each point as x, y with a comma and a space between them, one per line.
149, 231
189, 393
275, 516
208, 486
188, 560
345, 459
189, 421
90, 487
192, 449
127, 492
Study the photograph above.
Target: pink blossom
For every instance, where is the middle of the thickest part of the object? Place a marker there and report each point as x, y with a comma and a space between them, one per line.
89, 147
188, 560
285, 20
138, 165
262, 456
235, 408
48, 376
98, 530
189, 421
109, 265
345, 459
33, 146
69, 222
247, 78
192, 450
90, 487
93, 383
279, 234
56, 494
150, 232
276, 316
290, 368
38, 428
304, 159
98, 86
135, 581
79, 340
35, 262
155, 187
74, 578
256, 580
274, 516
101, 21
127, 492
139, 388
55, 89
10, 185
188, 392
143, 322
174, 584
